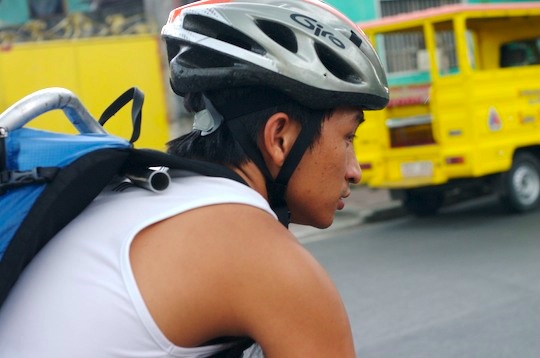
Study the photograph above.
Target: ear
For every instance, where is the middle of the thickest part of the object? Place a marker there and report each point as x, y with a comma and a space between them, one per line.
278, 137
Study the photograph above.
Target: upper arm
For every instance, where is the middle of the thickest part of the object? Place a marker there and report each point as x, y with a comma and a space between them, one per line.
288, 303
240, 274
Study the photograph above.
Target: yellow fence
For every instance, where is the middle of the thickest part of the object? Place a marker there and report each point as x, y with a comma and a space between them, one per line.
97, 70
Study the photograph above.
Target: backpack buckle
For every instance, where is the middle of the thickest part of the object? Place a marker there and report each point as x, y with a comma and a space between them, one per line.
14, 178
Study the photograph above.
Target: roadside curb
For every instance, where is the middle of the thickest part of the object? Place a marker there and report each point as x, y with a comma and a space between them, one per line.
392, 211
351, 217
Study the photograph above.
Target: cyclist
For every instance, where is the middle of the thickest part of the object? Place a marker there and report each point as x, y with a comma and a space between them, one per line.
278, 89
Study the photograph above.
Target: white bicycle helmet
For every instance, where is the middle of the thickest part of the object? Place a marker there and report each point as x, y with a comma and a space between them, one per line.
304, 48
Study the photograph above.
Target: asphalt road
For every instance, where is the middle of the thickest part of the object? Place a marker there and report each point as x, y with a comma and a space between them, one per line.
465, 283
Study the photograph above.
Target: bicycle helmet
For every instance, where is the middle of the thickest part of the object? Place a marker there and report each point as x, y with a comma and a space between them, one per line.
305, 48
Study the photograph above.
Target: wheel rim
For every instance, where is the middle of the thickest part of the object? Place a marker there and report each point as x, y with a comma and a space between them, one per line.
526, 182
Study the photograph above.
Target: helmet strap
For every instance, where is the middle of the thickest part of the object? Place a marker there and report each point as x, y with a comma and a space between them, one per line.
276, 187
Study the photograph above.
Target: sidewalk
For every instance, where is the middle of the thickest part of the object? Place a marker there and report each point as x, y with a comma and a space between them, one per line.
364, 205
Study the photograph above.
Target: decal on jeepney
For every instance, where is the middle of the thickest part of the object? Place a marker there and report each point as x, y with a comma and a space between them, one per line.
525, 119
495, 123
532, 95
409, 95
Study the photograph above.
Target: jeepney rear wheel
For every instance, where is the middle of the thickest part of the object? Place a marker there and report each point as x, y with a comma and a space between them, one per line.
423, 203
521, 184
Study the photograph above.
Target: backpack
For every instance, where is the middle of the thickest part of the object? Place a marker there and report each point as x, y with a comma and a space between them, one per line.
48, 178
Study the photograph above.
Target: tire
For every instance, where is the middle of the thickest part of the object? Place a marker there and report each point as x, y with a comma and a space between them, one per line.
521, 184
423, 203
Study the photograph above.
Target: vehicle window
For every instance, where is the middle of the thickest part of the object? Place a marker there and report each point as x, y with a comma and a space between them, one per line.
520, 53
401, 51
405, 53
446, 51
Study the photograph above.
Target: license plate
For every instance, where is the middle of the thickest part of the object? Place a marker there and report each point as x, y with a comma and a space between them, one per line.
421, 168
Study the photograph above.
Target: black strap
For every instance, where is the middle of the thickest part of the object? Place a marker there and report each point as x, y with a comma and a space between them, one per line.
303, 141
154, 158
235, 351
241, 134
276, 190
72, 189
136, 110
276, 187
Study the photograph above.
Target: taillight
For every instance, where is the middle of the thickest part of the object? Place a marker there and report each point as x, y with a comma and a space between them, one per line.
365, 166
455, 160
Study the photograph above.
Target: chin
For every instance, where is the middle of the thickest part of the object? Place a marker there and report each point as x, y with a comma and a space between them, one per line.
322, 226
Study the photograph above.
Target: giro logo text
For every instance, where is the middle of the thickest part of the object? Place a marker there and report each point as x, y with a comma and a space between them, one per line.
318, 29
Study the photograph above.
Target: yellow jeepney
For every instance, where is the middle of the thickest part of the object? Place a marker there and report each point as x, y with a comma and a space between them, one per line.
464, 111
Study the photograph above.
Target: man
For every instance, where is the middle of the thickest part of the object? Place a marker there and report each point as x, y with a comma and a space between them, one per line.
278, 89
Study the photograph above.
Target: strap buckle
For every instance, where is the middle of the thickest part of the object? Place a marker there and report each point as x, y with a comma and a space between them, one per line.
14, 179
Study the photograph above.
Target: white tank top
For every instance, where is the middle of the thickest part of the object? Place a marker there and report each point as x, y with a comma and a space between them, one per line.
78, 297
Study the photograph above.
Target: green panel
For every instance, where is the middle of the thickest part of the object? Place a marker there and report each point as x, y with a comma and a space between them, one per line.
78, 5
356, 10
408, 78
13, 12
496, 1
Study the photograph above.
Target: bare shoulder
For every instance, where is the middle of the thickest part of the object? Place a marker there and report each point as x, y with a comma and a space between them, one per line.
233, 270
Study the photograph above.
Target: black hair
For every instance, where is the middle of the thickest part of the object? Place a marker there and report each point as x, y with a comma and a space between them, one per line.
220, 146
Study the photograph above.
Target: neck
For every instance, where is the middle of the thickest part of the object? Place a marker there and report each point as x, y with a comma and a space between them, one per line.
253, 177
256, 180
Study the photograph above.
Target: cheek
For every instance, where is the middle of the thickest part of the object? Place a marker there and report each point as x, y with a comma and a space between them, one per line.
335, 158
324, 164
327, 148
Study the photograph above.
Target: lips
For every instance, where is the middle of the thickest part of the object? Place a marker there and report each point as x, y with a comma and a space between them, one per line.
341, 204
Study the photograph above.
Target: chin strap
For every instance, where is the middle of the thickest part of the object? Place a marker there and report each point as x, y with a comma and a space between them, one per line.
234, 117
276, 187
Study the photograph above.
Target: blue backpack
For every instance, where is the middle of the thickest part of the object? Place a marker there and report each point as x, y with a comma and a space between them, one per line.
48, 178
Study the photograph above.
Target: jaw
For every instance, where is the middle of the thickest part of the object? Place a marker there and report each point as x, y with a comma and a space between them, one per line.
316, 220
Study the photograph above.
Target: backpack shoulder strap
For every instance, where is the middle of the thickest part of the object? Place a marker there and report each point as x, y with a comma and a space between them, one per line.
152, 158
72, 189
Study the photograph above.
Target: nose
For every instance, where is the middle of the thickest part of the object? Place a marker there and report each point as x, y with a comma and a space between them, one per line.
354, 172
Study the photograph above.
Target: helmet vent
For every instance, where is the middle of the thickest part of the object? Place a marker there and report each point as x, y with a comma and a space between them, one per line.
335, 65
200, 57
279, 33
220, 31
